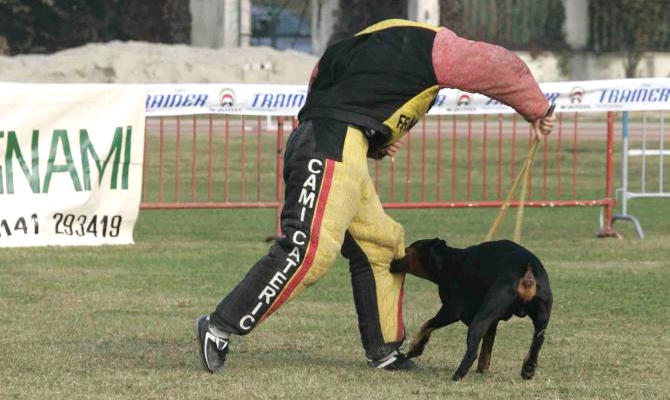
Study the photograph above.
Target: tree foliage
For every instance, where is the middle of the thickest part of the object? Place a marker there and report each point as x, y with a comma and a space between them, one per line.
356, 15
515, 24
45, 26
631, 27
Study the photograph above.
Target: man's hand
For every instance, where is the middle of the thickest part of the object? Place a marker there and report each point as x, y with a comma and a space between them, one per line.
543, 126
392, 149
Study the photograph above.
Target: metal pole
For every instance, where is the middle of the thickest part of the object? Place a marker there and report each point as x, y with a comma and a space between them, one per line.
644, 150
144, 164
210, 133
423, 159
280, 169
484, 159
660, 157
610, 219
408, 165
161, 152
194, 160
439, 158
624, 164
177, 159
608, 185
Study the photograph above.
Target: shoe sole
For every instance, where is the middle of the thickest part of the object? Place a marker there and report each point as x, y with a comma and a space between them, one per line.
201, 345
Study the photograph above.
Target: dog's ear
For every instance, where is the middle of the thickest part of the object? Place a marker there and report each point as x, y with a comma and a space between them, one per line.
438, 255
437, 242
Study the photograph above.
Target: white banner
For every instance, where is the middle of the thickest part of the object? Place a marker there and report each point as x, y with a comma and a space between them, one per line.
211, 98
70, 163
582, 96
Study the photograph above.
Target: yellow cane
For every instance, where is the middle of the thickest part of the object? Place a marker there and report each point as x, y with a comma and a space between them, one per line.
506, 203
523, 175
524, 189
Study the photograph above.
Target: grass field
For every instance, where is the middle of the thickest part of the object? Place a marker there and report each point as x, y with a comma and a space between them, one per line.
117, 322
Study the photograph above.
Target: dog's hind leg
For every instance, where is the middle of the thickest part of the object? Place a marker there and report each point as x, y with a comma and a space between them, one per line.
540, 316
495, 305
441, 319
484, 361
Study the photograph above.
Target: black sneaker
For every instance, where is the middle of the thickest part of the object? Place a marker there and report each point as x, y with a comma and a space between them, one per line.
213, 349
396, 361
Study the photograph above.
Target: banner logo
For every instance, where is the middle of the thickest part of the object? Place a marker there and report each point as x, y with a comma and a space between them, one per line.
463, 100
227, 97
576, 95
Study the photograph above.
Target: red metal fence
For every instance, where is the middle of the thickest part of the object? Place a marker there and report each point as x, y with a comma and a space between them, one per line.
447, 162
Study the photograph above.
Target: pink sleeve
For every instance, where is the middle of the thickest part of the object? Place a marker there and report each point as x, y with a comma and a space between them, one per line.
487, 69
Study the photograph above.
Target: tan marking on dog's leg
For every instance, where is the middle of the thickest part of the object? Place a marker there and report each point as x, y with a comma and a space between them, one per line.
484, 361
417, 344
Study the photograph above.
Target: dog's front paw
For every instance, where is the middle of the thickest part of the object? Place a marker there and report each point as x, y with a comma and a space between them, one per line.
416, 347
459, 374
414, 352
528, 371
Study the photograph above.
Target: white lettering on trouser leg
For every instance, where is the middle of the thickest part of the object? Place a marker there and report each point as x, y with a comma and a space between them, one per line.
306, 198
247, 322
277, 280
311, 163
301, 241
310, 182
269, 293
295, 253
289, 264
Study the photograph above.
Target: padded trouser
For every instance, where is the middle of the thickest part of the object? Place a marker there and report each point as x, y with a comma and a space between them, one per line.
329, 205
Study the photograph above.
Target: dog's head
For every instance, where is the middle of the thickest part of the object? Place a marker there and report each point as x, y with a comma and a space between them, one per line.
423, 258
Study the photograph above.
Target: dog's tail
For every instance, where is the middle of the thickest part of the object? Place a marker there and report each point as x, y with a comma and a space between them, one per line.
526, 288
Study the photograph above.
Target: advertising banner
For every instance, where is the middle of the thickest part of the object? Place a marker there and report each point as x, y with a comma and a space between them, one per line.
242, 99
583, 96
211, 98
70, 163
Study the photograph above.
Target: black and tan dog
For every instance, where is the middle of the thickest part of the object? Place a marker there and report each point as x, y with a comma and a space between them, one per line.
481, 285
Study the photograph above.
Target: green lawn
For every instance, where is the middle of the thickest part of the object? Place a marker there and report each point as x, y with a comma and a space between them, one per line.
117, 322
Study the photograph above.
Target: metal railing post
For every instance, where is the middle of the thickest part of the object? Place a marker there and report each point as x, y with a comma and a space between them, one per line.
661, 133
624, 176
610, 175
624, 163
280, 168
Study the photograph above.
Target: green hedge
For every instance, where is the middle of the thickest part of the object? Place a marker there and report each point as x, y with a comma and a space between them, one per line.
46, 26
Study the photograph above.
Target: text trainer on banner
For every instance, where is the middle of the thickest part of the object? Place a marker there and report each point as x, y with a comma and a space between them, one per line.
70, 163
